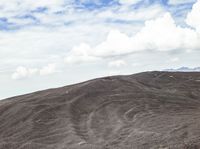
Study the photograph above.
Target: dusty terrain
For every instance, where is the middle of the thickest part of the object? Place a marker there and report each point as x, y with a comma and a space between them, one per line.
151, 110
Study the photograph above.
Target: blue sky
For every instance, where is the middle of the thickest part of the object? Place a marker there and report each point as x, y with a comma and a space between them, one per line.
52, 43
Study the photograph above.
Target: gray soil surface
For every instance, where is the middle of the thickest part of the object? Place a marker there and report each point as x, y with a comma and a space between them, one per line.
151, 110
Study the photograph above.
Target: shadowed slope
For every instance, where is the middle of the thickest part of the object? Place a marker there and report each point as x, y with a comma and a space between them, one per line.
142, 111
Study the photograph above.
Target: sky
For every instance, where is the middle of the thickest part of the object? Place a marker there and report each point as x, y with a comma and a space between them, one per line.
52, 43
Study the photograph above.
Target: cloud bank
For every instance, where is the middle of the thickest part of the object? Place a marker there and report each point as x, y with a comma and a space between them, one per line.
160, 34
93, 38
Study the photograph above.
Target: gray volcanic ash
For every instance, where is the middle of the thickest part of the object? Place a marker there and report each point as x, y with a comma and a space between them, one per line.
150, 110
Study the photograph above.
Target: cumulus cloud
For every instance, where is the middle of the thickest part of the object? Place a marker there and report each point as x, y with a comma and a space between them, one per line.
117, 63
160, 34
116, 43
24, 72
81, 53
193, 17
49, 69
51, 36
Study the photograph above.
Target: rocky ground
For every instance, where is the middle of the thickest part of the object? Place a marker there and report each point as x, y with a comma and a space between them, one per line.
150, 110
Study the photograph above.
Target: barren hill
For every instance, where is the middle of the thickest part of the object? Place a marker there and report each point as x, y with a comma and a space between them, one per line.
151, 110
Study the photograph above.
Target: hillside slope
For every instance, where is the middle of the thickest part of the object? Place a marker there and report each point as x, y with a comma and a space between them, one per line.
150, 110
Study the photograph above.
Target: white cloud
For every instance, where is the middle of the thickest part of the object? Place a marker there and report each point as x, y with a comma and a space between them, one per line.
160, 34
108, 33
15, 10
24, 72
33, 46
49, 69
177, 2
129, 2
24, 5
193, 17
116, 43
117, 63
81, 53
126, 13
